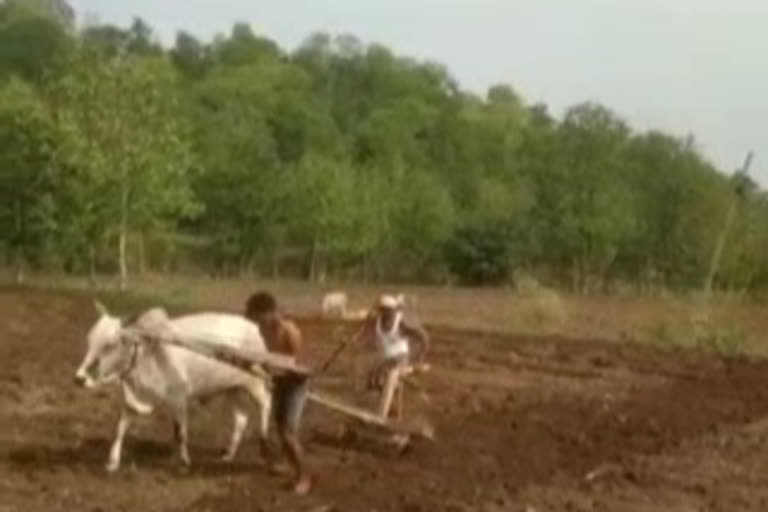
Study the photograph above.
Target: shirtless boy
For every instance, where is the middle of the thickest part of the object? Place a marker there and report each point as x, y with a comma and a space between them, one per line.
289, 392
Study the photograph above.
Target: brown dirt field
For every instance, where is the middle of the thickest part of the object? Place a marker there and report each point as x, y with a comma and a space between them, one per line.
523, 423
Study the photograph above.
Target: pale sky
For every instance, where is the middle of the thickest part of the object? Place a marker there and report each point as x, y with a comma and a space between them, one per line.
678, 65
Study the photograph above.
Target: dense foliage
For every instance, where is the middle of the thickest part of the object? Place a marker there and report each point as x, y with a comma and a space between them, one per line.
338, 159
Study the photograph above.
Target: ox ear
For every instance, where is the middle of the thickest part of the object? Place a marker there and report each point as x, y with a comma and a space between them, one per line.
100, 308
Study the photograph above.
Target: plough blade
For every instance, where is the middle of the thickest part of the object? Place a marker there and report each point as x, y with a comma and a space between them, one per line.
421, 429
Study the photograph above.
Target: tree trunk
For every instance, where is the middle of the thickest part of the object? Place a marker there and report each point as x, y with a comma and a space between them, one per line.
19, 266
720, 244
122, 242
92, 264
714, 263
122, 259
142, 254
19, 250
322, 273
250, 266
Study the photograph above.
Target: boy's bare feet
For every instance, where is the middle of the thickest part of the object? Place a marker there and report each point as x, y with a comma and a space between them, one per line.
303, 485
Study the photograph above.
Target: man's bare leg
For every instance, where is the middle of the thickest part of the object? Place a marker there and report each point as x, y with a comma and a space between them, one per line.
392, 379
392, 385
302, 483
292, 397
400, 401
374, 376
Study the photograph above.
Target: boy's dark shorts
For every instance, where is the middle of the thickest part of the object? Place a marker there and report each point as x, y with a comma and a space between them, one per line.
289, 394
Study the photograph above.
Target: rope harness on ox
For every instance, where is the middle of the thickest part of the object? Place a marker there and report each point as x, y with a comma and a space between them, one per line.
132, 361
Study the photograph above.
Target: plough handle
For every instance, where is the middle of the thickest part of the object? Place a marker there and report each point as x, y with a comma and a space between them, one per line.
339, 349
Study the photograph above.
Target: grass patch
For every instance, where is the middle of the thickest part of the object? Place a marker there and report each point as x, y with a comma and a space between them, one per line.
703, 333
538, 305
118, 302
726, 340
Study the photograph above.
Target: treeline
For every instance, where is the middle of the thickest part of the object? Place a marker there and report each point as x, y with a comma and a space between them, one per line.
340, 160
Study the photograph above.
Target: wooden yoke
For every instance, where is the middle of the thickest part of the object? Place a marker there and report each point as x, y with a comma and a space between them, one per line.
275, 363
153, 325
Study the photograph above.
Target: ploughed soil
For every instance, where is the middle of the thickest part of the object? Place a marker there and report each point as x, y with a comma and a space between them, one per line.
522, 423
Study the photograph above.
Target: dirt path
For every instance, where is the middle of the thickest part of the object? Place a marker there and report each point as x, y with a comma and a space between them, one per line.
523, 424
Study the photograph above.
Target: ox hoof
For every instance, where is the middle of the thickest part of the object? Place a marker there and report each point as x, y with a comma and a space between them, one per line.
401, 442
112, 466
227, 457
184, 455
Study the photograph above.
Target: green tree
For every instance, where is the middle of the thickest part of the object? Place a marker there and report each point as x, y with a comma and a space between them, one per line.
326, 222
34, 35
124, 132
28, 147
341, 157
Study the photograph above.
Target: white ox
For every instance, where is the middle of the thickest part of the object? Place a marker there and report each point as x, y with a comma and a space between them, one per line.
153, 374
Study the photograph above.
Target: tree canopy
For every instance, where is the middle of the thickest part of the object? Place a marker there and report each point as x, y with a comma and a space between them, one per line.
338, 159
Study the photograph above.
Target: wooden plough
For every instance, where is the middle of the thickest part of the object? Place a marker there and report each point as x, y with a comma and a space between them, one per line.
251, 361
420, 429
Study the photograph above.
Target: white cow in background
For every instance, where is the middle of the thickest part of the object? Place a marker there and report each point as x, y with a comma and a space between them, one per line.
153, 374
335, 304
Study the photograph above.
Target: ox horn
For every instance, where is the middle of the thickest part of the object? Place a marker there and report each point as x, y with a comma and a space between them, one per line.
100, 308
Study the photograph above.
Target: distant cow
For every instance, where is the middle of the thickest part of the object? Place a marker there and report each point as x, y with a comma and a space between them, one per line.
335, 304
154, 374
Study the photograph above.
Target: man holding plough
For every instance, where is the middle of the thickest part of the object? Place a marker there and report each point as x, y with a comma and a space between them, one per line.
392, 334
290, 379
